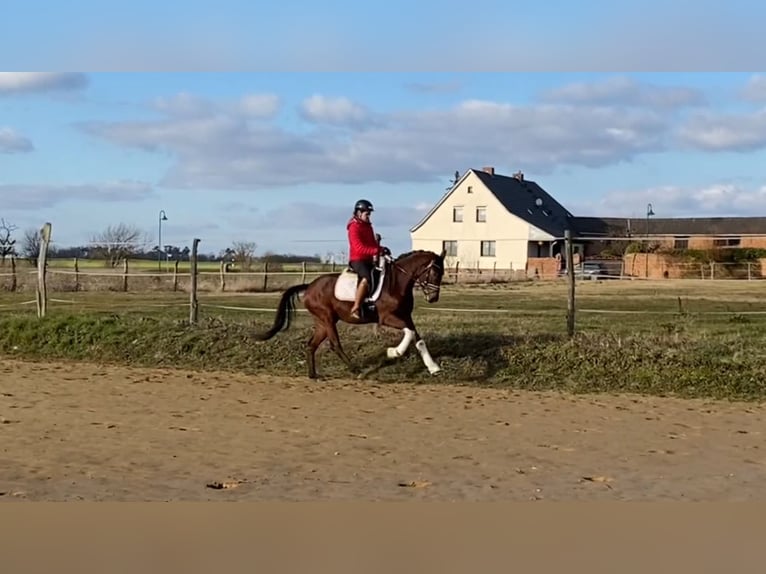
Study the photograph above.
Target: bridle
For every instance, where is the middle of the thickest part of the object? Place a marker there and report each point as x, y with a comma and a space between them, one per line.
427, 287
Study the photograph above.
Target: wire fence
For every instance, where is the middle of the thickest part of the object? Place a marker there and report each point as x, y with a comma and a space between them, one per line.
51, 279
136, 276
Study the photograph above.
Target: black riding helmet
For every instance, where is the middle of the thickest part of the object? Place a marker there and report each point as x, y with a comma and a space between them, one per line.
363, 205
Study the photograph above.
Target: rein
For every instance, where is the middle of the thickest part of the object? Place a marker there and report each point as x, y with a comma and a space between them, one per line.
427, 287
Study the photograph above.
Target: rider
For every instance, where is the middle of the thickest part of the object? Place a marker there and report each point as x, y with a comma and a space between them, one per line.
364, 250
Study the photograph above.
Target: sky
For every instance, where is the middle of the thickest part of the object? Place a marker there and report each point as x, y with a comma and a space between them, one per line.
265, 122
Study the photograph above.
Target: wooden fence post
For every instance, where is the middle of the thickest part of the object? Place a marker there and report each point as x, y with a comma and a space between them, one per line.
76, 275
457, 272
265, 275
303, 271
193, 305
571, 283
125, 275
223, 275
13, 273
175, 274
42, 261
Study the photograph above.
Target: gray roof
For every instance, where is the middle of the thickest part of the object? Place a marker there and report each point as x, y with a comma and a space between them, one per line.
519, 197
624, 227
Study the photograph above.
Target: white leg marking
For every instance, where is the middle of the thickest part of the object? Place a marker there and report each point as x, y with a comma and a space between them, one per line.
432, 366
400, 349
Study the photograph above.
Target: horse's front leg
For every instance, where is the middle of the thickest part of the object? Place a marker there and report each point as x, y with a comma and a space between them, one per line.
432, 366
411, 334
401, 348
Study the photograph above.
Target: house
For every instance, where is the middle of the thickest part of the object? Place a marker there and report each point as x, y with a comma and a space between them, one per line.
492, 221
488, 221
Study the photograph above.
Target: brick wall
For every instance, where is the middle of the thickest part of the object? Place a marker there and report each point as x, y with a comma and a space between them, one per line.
705, 242
543, 267
659, 266
653, 266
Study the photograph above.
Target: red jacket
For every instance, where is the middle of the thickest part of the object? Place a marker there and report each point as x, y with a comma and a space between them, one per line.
361, 240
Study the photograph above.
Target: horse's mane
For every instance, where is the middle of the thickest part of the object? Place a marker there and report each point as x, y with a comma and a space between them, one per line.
413, 252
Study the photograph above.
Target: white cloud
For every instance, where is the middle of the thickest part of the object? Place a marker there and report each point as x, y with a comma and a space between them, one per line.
260, 105
183, 104
188, 105
312, 215
13, 142
717, 200
333, 111
32, 82
350, 144
625, 91
725, 131
17, 196
755, 89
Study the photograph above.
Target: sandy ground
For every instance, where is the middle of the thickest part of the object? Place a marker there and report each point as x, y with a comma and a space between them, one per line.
90, 432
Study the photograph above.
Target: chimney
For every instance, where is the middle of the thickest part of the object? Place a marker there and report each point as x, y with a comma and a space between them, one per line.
519, 175
489, 170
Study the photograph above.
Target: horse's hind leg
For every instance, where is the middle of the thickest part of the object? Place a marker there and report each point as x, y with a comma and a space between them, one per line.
317, 338
332, 335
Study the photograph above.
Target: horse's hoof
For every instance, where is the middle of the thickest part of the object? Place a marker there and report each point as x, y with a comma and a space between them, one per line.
435, 371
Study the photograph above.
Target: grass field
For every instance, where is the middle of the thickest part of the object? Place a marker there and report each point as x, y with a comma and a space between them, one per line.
687, 338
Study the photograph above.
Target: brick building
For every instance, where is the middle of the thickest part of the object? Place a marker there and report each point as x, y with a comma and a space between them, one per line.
675, 233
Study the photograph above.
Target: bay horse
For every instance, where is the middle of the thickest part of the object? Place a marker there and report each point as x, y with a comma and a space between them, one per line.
389, 303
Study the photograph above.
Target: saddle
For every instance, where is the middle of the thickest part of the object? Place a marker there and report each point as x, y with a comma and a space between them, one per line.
345, 286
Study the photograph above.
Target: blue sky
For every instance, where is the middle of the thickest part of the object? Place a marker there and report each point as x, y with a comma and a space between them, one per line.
280, 158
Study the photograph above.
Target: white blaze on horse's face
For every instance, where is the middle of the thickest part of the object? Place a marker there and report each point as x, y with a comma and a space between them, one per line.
433, 283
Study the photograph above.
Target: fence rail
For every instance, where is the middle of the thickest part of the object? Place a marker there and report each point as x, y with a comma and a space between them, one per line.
52, 276
23, 278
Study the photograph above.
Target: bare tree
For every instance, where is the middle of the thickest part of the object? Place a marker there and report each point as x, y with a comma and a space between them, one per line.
7, 243
243, 253
30, 245
116, 243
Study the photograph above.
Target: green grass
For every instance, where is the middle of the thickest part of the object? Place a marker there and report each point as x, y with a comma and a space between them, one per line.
690, 338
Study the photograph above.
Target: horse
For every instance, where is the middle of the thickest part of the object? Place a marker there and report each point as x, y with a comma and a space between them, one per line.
389, 303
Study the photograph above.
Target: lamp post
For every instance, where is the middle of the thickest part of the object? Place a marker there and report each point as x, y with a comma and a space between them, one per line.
649, 213
162, 217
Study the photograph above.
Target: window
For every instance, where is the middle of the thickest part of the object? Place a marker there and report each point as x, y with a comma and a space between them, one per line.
450, 248
457, 214
481, 214
470, 189
681, 242
487, 248
726, 242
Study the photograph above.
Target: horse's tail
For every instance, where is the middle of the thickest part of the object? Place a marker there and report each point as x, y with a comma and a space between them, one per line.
285, 312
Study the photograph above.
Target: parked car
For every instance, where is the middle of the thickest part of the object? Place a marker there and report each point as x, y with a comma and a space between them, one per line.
588, 270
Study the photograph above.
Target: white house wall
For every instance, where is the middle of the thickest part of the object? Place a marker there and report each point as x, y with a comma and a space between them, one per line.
510, 233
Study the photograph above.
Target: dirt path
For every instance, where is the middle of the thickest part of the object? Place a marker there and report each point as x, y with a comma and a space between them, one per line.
79, 431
